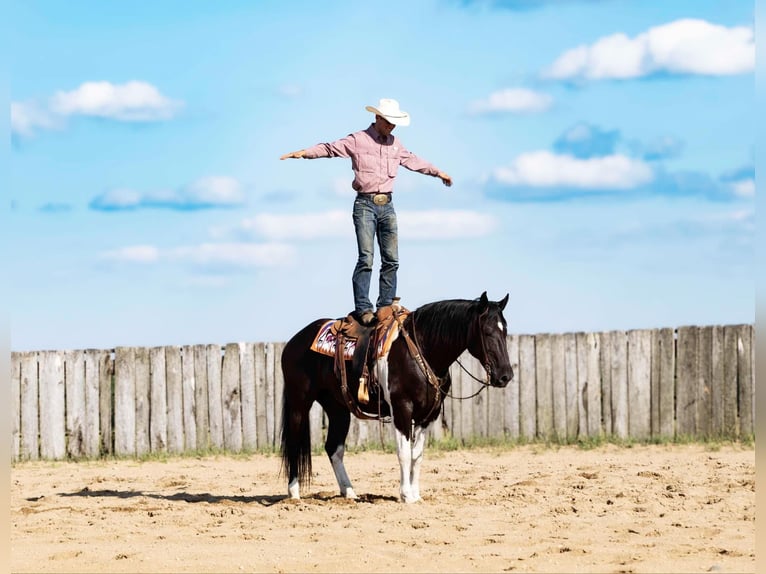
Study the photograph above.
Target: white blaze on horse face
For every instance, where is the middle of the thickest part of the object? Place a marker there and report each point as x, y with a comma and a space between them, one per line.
500, 326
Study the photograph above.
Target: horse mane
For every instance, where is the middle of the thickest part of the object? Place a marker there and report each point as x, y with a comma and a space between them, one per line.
444, 322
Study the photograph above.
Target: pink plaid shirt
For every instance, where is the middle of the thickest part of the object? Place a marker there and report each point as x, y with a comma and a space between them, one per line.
374, 162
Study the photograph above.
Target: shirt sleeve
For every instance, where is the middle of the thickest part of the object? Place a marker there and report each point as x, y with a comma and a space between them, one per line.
414, 163
343, 147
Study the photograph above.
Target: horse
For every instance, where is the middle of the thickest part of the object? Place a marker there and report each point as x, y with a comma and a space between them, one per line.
414, 378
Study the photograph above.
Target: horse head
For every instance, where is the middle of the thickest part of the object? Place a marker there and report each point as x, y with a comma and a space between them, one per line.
488, 340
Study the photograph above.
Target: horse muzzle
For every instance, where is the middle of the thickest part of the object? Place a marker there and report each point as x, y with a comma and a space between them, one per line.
499, 379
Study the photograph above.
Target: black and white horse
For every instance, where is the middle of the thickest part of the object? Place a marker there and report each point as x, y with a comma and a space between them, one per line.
414, 379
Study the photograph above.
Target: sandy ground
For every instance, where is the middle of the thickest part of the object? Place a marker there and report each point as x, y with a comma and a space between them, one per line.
526, 509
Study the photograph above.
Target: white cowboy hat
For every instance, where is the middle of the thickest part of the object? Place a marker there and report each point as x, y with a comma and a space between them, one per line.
389, 109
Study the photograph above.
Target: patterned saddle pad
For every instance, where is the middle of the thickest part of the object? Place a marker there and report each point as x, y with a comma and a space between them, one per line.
387, 328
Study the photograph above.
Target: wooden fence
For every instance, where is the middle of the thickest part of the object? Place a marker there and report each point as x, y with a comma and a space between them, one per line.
695, 382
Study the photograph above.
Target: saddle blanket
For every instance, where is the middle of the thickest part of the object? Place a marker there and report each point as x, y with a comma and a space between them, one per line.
326, 339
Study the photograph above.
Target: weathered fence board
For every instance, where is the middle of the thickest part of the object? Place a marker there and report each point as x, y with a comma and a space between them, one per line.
581, 403
663, 383
527, 387
464, 389
279, 385
717, 379
575, 380
696, 382
105, 399
559, 380
639, 384
591, 400
730, 381
605, 363
687, 381
214, 395
704, 378
544, 386
745, 380
124, 401
175, 399
52, 407
30, 416
247, 382
511, 392
74, 384
260, 394
16, 410
158, 414
479, 403
230, 397
619, 383
93, 368
188, 397
272, 365
143, 400
201, 402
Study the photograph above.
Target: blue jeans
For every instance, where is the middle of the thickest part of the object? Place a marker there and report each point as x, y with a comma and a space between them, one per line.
371, 220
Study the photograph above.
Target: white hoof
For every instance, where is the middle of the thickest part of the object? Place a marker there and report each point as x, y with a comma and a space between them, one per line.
409, 499
350, 494
294, 491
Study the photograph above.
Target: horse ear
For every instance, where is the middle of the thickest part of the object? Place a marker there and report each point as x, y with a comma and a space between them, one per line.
483, 302
503, 302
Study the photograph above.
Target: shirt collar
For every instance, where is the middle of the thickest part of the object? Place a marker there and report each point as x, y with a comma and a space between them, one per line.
374, 134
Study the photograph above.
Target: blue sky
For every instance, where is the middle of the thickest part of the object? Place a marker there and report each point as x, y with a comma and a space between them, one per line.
602, 153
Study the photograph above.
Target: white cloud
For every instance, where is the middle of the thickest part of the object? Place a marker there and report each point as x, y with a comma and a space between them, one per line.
235, 255
301, 226
545, 169
214, 190
516, 100
290, 90
133, 254
204, 193
687, 46
743, 188
27, 117
132, 101
445, 224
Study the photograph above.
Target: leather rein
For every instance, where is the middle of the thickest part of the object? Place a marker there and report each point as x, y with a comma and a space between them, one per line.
436, 381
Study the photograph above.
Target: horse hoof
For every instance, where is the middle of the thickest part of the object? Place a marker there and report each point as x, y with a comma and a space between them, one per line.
409, 499
350, 494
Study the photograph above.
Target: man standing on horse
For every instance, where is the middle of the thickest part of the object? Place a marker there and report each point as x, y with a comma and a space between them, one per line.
375, 155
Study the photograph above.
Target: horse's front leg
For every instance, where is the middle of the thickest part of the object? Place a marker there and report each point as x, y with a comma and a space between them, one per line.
418, 447
410, 453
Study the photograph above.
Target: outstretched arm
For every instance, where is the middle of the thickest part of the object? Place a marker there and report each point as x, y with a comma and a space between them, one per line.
294, 154
446, 180
343, 147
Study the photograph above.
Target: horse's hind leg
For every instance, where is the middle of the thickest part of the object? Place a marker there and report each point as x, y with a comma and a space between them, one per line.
337, 430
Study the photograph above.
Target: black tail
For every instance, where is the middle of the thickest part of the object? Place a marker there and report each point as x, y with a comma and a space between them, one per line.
296, 432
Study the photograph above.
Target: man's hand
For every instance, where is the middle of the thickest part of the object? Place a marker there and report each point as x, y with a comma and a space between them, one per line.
293, 154
446, 180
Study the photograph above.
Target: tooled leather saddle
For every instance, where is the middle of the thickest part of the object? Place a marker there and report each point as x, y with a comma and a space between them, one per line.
356, 349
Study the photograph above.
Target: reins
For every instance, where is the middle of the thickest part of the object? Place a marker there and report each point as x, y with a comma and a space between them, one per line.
432, 378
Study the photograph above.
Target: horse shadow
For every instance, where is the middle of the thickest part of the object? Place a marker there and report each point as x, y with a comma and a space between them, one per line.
261, 499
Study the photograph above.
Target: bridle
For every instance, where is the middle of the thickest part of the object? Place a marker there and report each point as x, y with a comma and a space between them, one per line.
487, 366
432, 378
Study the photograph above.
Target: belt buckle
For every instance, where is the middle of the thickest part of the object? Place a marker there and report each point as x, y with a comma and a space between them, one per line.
380, 199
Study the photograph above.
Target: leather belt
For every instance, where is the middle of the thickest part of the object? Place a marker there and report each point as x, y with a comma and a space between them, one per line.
377, 198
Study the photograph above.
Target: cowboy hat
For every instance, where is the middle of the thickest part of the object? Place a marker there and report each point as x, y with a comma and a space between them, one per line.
389, 109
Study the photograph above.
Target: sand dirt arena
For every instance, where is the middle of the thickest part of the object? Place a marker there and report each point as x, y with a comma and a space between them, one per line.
688, 508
